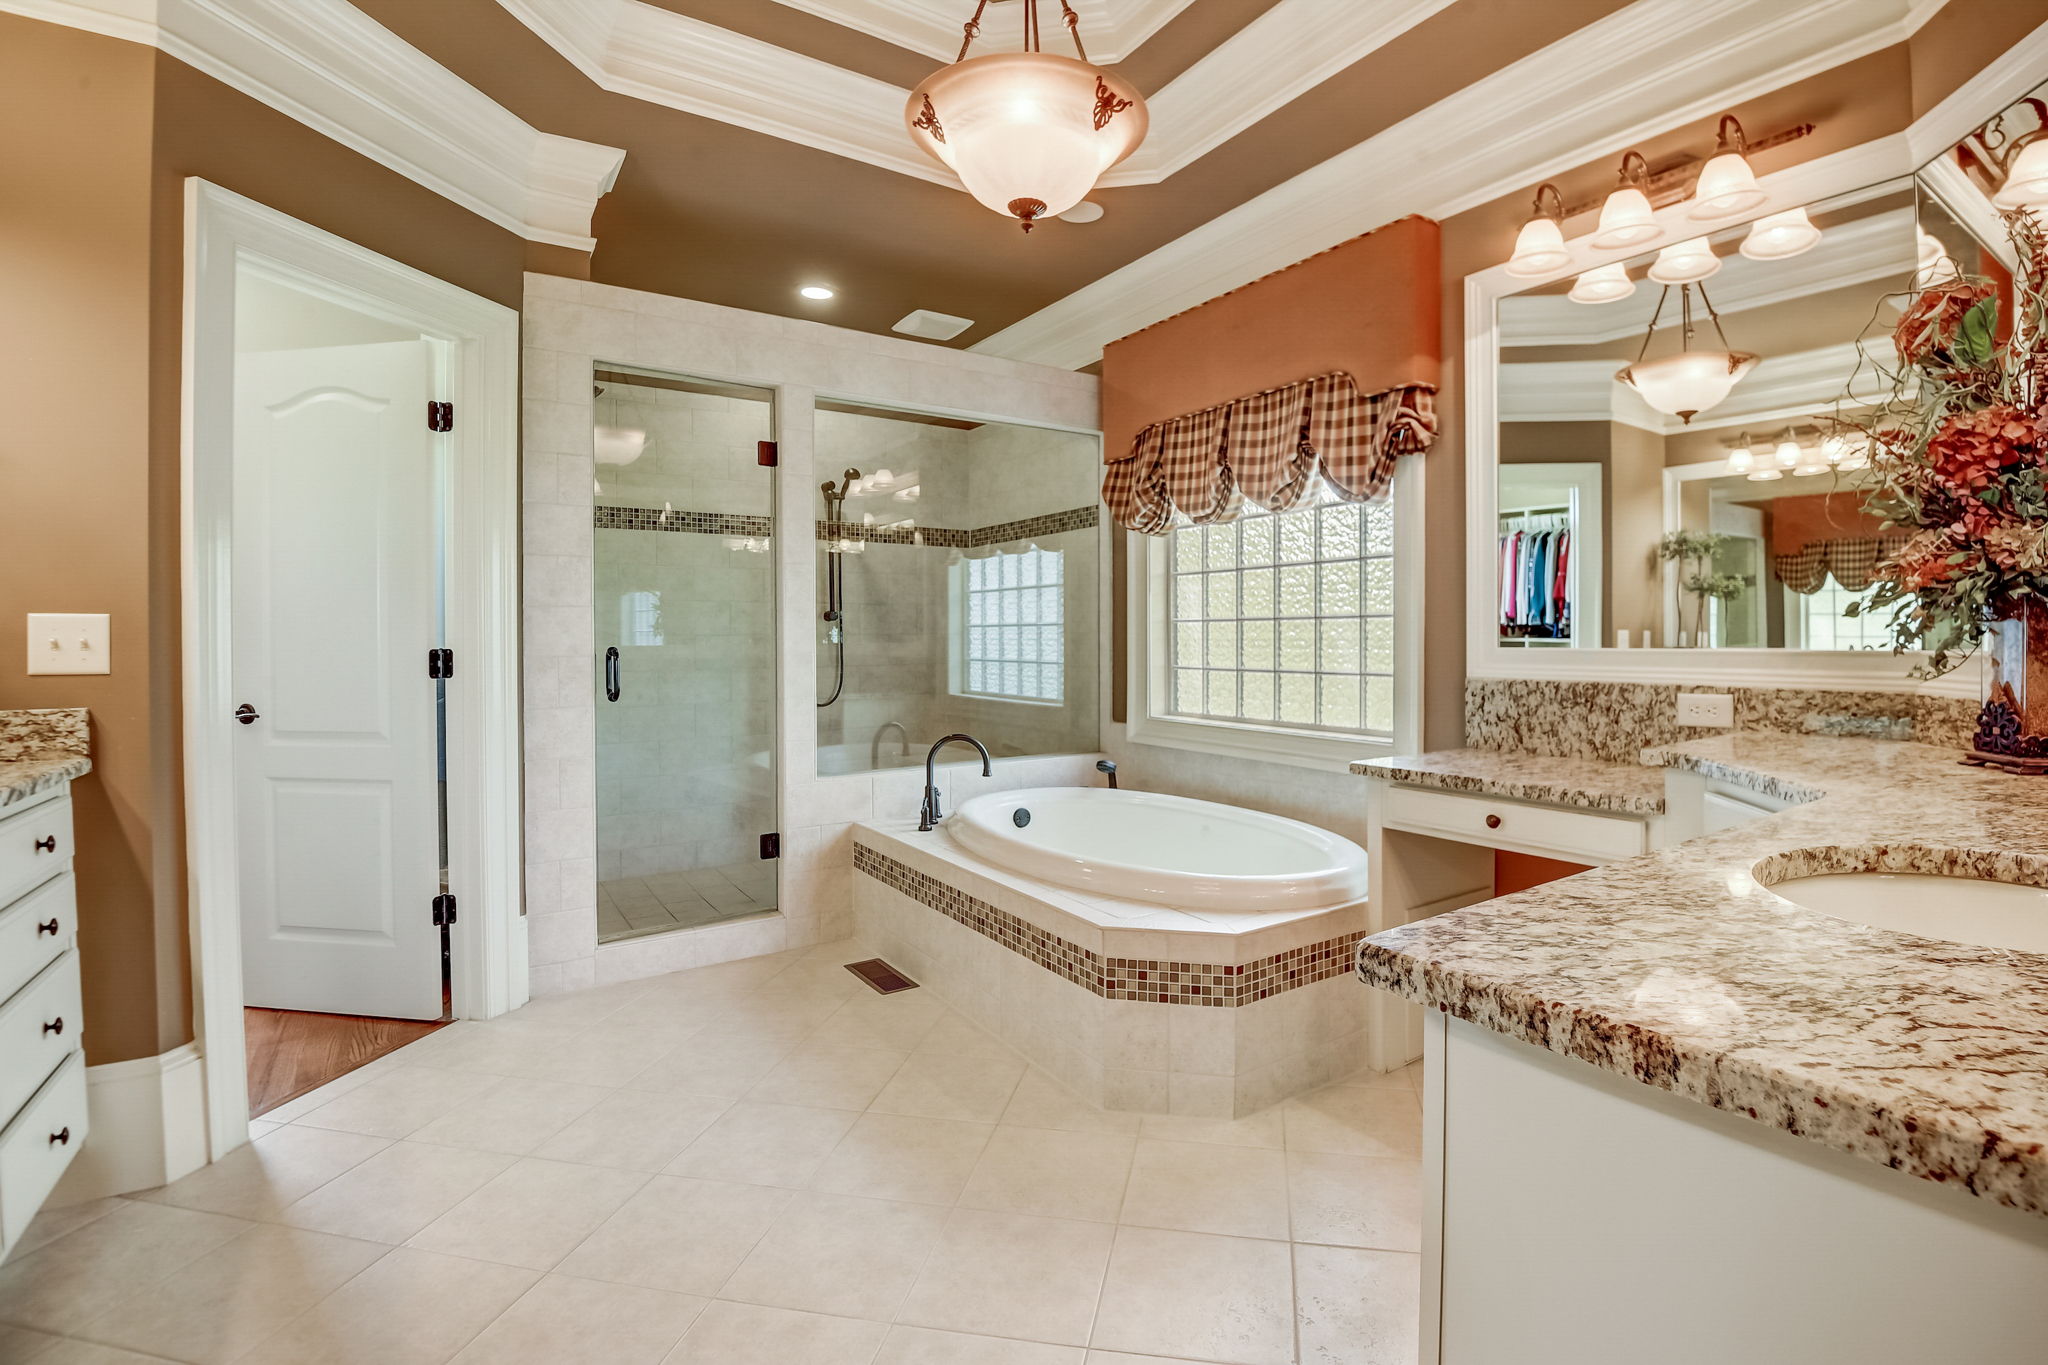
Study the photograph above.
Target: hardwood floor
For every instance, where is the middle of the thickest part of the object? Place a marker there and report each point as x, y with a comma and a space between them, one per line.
290, 1053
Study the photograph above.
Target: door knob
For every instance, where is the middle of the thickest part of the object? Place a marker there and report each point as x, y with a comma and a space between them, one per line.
246, 714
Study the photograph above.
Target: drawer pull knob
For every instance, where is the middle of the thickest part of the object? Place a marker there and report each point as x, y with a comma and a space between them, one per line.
62, 1137
56, 1028
47, 845
1493, 822
48, 926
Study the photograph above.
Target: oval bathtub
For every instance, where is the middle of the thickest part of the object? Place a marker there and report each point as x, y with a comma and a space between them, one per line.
1170, 850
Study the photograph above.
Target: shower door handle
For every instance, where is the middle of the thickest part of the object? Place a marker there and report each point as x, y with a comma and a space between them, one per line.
611, 673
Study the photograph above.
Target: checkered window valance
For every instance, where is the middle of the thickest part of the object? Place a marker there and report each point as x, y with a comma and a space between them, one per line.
1269, 447
1852, 562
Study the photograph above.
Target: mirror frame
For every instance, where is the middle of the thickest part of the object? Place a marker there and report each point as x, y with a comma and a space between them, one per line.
1902, 154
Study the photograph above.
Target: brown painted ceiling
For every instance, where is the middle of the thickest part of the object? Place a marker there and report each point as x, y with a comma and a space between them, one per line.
707, 210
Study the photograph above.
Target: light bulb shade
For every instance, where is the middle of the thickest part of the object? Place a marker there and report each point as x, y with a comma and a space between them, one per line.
1685, 263
1776, 236
1741, 460
1726, 187
1603, 284
2026, 184
1811, 463
1626, 220
1687, 384
1787, 453
1764, 475
1539, 249
1028, 133
619, 445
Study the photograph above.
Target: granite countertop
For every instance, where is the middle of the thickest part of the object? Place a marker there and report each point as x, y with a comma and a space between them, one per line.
1680, 970
1585, 783
40, 750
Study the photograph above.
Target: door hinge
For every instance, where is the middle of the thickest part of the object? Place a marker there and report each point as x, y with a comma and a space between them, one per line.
767, 454
440, 663
444, 910
771, 846
440, 416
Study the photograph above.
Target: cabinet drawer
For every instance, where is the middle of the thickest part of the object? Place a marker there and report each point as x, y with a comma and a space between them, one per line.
1578, 835
35, 930
39, 1028
35, 845
37, 1146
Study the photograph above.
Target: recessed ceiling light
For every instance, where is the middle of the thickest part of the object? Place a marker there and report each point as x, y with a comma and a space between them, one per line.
1087, 211
816, 291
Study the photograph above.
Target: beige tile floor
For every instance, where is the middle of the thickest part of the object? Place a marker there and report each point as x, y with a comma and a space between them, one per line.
631, 906
756, 1164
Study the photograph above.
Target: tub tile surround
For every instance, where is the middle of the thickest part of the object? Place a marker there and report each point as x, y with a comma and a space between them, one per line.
1616, 721
42, 749
1681, 971
569, 327
1134, 1006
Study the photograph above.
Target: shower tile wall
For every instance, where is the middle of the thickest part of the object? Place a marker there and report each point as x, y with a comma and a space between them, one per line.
684, 783
897, 597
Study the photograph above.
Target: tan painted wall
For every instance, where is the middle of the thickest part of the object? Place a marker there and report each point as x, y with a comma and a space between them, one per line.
96, 138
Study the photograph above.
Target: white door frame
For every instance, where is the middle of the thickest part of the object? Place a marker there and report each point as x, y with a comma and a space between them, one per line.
225, 233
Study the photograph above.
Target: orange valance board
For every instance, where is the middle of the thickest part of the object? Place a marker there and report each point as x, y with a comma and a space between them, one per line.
1370, 308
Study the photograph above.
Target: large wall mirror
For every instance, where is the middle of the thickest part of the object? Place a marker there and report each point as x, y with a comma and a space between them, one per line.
1685, 511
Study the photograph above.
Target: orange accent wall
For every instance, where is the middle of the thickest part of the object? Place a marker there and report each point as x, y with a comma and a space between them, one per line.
1368, 307
1798, 522
1514, 872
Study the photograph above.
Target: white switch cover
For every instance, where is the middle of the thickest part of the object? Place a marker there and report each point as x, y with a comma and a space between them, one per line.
1706, 708
68, 643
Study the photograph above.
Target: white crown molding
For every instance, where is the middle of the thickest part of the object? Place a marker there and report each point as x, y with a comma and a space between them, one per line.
632, 48
333, 68
1646, 68
1110, 31
1852, 253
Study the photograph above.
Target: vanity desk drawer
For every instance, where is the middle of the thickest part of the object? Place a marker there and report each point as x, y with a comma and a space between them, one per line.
38, 1145
1577, 835
35, 845
39, 1028
35, 931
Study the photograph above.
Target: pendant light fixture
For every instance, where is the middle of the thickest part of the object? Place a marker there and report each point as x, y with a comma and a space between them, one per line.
1603, 284
1539, 246
1727, 186
1780, 236
1686, 263
2026, 182
1029, 133
1688, 383
1626, 219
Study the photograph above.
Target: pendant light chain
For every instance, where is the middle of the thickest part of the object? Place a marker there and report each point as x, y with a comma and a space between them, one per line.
1034, 33
971, 30
1073, 23
1661, 299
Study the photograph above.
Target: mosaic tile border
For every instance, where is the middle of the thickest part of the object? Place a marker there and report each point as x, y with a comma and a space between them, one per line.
953, 538
1117, 978
609, 518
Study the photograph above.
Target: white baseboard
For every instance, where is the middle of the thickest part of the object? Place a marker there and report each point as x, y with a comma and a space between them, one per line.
147, 1126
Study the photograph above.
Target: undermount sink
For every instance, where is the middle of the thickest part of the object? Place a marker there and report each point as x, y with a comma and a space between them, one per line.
1959, 909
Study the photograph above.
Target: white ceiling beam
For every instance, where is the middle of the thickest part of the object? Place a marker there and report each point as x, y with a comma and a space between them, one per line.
1111, 29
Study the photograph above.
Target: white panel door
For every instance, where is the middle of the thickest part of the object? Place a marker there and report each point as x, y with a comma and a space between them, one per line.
335, 567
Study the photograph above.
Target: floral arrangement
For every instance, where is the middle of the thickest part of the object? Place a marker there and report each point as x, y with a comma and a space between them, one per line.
1959, 459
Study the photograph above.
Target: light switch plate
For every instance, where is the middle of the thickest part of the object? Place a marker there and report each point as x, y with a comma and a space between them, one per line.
1706, 709
68, 642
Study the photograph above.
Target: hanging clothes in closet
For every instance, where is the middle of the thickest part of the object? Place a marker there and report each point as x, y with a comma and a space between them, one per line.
1535, 578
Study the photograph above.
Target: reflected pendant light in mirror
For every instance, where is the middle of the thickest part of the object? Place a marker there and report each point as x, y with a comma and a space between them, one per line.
1685, 263
1688, 383
1780, 236
1029, 133
2026, 182
1602, 284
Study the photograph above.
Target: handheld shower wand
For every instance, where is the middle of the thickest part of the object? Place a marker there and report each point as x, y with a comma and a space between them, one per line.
835, 584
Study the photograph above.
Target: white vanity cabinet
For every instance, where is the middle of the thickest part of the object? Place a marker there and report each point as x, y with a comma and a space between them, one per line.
42, 1066
1432, 850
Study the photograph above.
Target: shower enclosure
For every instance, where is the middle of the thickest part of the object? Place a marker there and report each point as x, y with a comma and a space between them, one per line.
684, 609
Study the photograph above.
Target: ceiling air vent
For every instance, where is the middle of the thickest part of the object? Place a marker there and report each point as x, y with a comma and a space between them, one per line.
933, 326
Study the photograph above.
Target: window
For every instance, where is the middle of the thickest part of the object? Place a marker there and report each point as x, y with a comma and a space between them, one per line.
1015, 636
1285, 619
640, 618
1821, 624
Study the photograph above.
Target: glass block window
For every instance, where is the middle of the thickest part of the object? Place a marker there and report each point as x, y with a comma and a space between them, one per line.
1015, 635
1823, 626
1286, 619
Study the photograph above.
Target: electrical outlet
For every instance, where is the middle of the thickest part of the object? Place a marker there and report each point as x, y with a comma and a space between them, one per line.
1706, 709
68, 643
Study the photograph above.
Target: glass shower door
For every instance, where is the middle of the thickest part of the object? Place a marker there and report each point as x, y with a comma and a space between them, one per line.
683, 595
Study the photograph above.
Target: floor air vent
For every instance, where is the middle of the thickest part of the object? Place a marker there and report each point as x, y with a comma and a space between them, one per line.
885, 979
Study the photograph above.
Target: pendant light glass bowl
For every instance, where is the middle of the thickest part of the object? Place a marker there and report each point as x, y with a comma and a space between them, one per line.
1688, 383
1028, 133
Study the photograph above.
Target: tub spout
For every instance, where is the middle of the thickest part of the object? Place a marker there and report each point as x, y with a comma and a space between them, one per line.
929, 815
1108, 769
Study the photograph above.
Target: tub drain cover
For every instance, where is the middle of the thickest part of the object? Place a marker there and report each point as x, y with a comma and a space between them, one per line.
885, 979
1020, 817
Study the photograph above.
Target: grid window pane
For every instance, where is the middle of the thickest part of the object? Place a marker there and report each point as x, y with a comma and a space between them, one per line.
1285, 618
1014, 645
